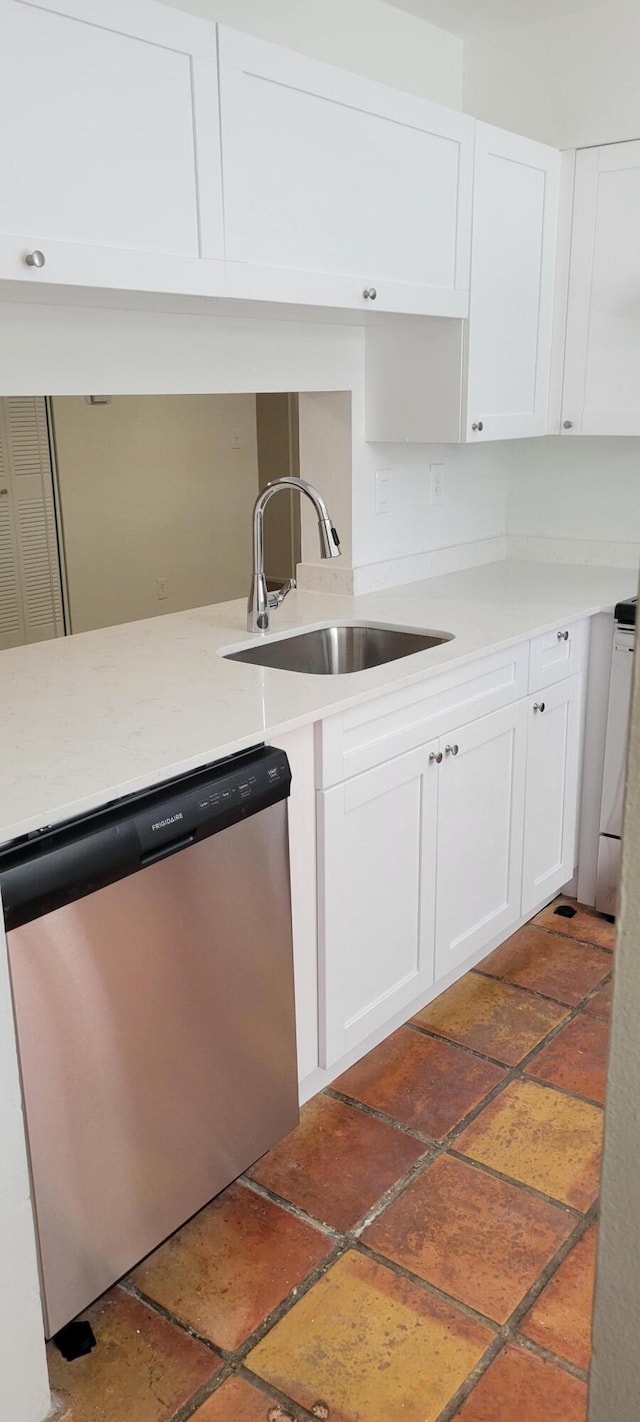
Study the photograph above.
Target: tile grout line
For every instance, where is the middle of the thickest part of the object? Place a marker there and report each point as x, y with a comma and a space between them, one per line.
272, 1394
519, 1069
508, 1333
554, 932
480, 972
156, 1307
367, 1110
233, 1362
546, 1356
435, 1036
233, 1356
289, 1206
537, 1288
428, 1287
519, 1184
447, 1145
298, 1412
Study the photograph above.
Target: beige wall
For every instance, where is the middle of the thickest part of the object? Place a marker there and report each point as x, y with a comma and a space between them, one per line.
366, 36
616, 1362
153, 487
571, 81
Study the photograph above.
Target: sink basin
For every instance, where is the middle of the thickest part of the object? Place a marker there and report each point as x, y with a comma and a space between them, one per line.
334, 651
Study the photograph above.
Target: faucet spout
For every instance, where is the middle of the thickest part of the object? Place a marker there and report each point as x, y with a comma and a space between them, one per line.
261, 602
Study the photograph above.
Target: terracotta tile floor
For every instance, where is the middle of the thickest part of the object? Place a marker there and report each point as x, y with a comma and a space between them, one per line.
422, 1247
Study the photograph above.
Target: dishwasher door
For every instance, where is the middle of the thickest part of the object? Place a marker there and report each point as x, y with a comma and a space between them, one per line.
156, 1035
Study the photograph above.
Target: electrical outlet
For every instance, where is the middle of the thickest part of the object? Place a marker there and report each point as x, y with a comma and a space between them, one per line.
383, 491
437, 483
161, 585
235, 439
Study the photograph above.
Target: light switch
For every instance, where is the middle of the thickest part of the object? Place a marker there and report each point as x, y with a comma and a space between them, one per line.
383, 490
437, 483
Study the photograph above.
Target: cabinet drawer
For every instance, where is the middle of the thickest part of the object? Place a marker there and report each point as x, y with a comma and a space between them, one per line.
555, 655
354, 741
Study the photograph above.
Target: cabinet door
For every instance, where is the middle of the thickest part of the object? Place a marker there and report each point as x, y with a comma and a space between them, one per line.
340, 191
515, 213
113, 167
602, 360
376, 842
552, 791
480, 825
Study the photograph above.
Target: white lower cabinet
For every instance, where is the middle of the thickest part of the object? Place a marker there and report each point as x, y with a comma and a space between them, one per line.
552, 790
434, 856
376, 911
480, 829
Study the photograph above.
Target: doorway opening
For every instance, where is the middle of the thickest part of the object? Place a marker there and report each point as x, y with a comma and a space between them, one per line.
119, 508
32, 602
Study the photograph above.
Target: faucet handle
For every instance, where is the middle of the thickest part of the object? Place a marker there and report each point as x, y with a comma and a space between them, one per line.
276, 598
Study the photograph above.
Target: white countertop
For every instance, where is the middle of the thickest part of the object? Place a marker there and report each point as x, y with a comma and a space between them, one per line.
88, 718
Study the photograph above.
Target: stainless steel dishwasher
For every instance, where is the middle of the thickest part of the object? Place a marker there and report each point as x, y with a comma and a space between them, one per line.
151, 966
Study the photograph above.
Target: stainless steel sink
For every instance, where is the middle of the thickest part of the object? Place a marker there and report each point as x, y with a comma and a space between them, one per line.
334, 651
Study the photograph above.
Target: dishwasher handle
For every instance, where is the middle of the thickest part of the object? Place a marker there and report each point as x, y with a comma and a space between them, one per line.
155, 855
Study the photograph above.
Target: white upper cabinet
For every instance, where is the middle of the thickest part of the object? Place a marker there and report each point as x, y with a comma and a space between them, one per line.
445, 382
515, 214
110, 166
340, 191
602, 360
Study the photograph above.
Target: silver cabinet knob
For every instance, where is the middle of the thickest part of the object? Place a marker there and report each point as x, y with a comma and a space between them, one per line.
436, 756
479, 425
539, 706
451, 750
369, 293
35, 259
567, 424
563, 636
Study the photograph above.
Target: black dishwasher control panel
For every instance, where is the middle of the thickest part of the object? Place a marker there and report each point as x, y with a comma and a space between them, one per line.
216, 802
55, 866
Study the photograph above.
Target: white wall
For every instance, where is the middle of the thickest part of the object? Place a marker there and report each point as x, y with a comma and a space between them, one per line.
470, 519
63, 350
570, 81
155, 487
575, 500
366, 36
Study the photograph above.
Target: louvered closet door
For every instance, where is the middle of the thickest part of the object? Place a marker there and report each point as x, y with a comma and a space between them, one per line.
30, 592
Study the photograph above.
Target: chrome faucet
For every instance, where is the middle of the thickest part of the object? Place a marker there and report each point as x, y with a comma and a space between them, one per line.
261, 602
